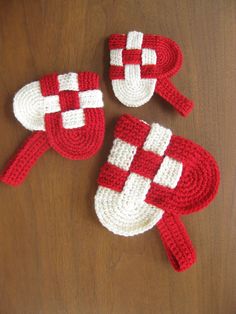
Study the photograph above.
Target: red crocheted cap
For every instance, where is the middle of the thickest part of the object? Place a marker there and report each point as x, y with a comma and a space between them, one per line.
151, 178
142, 64
64, 112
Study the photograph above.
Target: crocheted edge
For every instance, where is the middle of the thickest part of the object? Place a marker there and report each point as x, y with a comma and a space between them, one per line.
177, 243
25, 158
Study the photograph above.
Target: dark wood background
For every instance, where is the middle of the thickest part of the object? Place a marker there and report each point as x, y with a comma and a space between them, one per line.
55, 257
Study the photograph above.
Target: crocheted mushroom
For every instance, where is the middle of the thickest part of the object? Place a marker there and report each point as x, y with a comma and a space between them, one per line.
143, 64
64, 112
152, 177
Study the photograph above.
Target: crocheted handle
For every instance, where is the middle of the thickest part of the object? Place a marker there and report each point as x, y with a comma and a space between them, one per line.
177, 243
19, 166
169, 92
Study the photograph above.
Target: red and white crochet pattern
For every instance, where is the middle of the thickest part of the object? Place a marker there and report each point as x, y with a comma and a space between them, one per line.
143, 64
151, 178
64, 112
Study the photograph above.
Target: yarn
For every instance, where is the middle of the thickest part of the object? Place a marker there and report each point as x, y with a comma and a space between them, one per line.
64, 112
152, 177
143, 64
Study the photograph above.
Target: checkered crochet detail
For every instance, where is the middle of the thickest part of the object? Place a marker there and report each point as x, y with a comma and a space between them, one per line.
64, 112
150, 178
143, 64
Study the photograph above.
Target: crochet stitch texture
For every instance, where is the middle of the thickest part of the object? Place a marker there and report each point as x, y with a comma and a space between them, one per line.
64, 112
143, 64
152, 177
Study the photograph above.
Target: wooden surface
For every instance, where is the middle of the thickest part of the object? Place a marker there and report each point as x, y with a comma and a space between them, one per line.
55, 257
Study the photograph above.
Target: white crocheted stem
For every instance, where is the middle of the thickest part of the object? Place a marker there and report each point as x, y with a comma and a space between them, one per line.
133, 91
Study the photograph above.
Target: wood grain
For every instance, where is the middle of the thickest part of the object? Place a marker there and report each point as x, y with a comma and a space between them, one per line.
55, 257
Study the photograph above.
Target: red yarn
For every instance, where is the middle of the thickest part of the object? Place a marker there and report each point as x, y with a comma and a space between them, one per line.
112, 177
146, 163
196, 187
199, 180
73, 143
49, 85
170, 93
132, 56
79, 143
198, 184
169, 61
21, 163
69, 100
176, 241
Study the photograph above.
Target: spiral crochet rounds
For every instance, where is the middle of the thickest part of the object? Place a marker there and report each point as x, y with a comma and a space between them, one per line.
64, 112
151, 177
141, 65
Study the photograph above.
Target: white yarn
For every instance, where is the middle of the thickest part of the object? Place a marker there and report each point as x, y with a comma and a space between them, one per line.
51, 104
133, 91
169, 173
121, 220
158, 139
30, 106
134, 95
68, 81
134, 40
116, 57
149, 56
122, 154
126, 213
135, 191
73, 119
91, 99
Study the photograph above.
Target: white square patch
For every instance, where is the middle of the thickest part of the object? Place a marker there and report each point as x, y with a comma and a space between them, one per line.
72, 119
68, 81
91, 99
158, 139
134, 40
122, 154
51, 104
132, 73
116, 57
169, 173
149, 56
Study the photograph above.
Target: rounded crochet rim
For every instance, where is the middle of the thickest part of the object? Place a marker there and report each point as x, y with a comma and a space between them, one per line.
80, 143
127, 94
216, 184
28, 107
109, 220
170, 47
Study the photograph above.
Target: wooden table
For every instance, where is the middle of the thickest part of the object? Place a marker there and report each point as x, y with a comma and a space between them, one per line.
55, 257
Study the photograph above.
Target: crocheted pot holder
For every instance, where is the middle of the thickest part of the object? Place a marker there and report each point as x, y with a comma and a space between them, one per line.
151, 178
143, 64
64, 112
